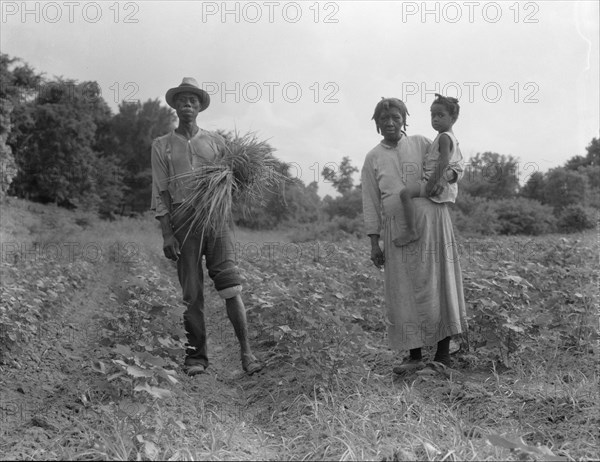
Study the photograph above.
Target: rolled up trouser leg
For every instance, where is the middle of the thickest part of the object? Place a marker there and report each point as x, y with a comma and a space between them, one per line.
220, 262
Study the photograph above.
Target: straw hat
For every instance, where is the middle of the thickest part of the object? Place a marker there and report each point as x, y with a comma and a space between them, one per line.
188, 84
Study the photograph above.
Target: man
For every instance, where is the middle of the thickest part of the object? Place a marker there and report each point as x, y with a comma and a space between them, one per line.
187, 148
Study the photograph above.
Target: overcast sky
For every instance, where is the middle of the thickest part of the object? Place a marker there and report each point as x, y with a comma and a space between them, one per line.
307, 75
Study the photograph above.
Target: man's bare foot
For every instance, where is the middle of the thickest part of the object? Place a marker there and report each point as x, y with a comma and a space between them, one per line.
406, 239
251, 364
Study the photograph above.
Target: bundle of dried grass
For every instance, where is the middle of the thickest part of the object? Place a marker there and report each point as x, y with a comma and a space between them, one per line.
243, 172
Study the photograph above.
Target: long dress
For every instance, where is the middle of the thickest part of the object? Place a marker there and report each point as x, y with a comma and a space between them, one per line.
423, 282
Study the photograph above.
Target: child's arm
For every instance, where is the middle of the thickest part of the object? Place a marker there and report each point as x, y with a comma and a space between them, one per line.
438, 181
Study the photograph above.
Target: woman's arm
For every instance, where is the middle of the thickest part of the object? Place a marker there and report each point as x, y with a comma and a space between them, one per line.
371, 198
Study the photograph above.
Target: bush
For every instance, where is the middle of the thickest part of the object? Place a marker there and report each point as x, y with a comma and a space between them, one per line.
259, 219
474, 215
354, 226
575, 218
481, 222
349, 204
565, 187
523, 216
333, 230
593, 199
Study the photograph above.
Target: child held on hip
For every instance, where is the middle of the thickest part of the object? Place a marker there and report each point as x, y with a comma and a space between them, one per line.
440, 167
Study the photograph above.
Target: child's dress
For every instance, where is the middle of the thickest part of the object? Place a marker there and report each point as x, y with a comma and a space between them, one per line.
430, 163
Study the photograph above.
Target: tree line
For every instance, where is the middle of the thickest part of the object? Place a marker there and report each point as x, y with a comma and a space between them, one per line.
491, 199
61, 143
563, 199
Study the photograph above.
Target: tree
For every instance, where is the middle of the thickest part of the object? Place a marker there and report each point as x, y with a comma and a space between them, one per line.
57, 128
593, 152
574, 218
16, 82
109, 186
535, 187
491, 175
303, 202
130, 137
342, 179
54, 140
19, 81
575, 162
564, 187
589, 166
348, 205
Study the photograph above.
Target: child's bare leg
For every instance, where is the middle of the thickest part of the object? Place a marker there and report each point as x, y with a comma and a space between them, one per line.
406, 196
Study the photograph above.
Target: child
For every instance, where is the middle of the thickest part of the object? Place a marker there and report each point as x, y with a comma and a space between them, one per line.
443, 155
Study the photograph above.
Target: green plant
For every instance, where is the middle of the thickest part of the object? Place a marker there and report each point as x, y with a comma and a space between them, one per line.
575, 218
523, 216
144, 366
521, 304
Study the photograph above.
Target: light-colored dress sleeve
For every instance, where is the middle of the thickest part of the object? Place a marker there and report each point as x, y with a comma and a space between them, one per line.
371, 197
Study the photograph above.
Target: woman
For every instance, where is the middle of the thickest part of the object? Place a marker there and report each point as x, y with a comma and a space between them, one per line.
423, 283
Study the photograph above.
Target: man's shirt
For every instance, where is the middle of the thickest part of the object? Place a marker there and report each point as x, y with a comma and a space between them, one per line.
172, 155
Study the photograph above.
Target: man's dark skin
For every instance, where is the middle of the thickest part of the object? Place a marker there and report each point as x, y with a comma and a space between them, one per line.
390, 124
187, 107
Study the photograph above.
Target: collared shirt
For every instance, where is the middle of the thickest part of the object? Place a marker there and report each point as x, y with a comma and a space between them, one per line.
172, 155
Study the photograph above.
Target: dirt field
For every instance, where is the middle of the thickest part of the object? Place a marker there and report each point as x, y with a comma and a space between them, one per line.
92, 346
